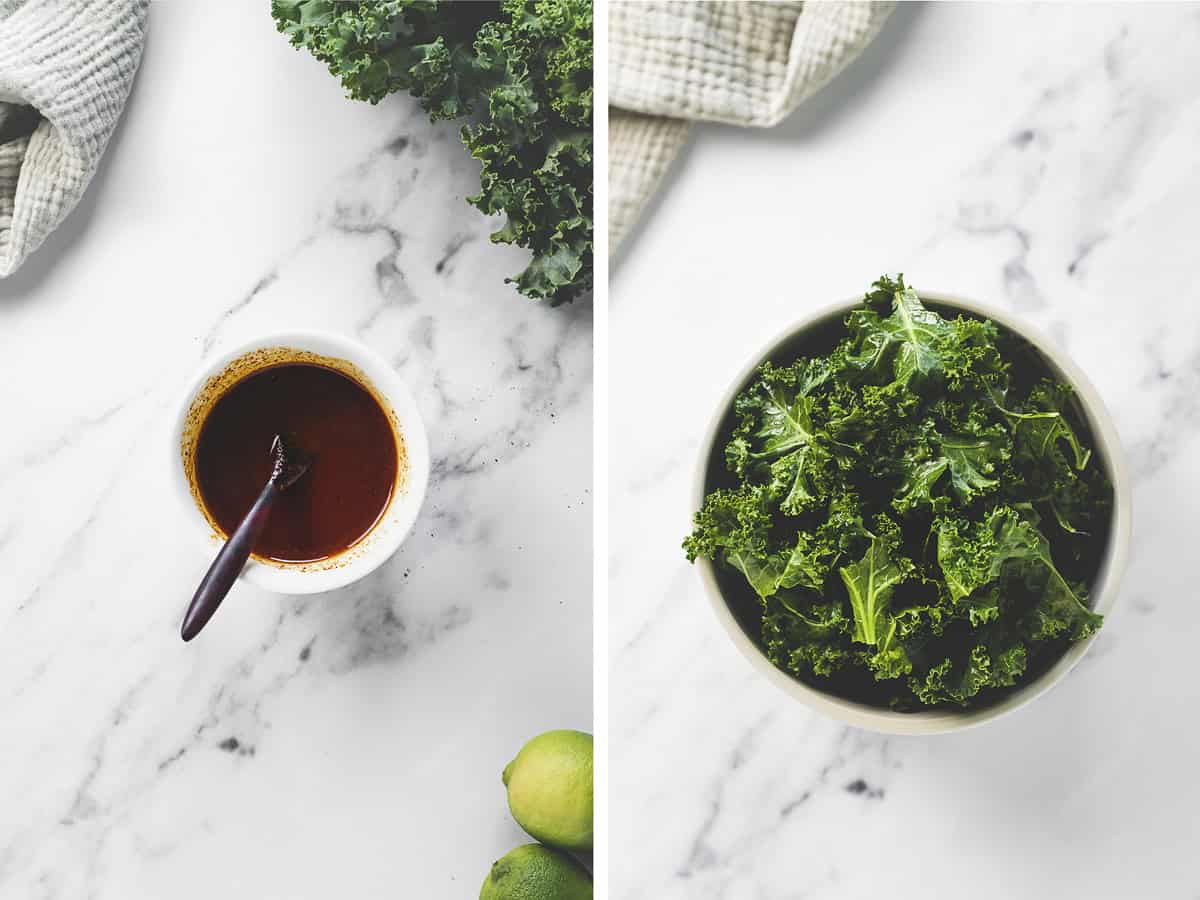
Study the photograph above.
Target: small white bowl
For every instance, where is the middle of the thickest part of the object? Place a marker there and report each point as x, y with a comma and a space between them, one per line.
1103, 589
372, 372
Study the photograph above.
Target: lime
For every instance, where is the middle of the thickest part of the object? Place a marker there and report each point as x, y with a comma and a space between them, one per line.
550, 789
534, 872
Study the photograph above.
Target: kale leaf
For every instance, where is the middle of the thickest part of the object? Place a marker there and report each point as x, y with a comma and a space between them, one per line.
522, 68
916, 510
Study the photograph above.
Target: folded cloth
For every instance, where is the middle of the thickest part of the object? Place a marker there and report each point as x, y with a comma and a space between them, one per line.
743, 63
66, 67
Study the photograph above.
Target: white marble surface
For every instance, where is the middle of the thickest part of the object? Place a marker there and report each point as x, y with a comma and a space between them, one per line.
1042, 159
345, 745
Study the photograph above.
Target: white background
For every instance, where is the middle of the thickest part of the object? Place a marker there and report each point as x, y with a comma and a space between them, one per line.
1038, 158
242, 193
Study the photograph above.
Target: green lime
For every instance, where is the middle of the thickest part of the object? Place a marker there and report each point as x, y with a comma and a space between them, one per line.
534, 872
550, 789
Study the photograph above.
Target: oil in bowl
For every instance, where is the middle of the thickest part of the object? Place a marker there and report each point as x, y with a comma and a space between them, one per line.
330, 416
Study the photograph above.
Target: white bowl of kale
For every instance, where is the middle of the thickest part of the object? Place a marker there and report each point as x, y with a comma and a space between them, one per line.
913, 512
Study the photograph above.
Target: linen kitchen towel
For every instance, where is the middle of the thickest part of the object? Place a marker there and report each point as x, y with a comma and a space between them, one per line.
66, 67
742, 63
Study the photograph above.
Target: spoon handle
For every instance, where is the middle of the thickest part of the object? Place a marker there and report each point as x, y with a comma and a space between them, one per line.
229, 563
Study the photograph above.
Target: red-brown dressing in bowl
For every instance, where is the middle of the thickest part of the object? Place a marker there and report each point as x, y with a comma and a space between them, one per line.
328, 415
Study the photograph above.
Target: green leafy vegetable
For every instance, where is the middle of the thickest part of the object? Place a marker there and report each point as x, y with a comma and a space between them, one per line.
916, 509
523, 68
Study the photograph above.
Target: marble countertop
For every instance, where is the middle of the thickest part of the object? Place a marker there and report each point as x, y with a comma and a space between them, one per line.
342, 745
1038, 158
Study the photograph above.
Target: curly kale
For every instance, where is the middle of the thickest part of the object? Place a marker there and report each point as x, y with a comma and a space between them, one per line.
522, 68
916, 513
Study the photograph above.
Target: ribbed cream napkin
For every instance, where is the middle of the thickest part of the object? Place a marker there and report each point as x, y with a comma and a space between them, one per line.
744, 63
66, 67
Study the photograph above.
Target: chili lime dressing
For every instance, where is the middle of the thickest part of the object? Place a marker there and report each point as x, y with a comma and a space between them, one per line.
326, 414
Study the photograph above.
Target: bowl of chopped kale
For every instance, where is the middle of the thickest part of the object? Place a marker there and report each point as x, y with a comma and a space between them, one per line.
912, 512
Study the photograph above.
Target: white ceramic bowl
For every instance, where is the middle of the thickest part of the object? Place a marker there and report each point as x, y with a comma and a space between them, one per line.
397, 401
1103, 590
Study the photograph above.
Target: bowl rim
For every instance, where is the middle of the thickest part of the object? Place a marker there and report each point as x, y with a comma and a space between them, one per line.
1104, 590
399, 517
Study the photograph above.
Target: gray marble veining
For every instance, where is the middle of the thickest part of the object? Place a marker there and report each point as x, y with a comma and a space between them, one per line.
347, 744
1040, 158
